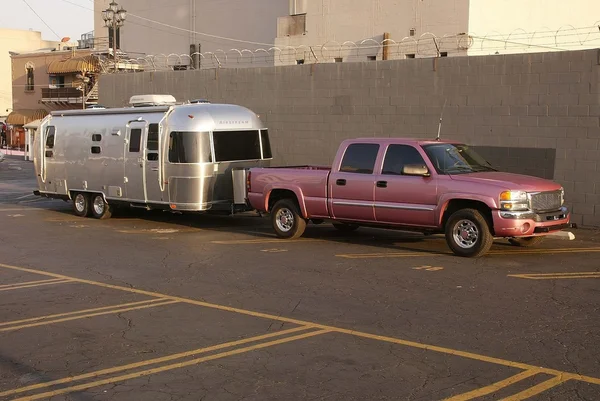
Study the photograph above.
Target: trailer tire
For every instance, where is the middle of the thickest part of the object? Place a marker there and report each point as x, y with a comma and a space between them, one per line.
100, 209
286, 219
468, 233
81, 204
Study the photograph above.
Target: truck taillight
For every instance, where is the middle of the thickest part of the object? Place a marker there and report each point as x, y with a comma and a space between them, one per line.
248, 184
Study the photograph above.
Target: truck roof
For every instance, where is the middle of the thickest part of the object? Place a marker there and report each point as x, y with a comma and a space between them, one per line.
414, 141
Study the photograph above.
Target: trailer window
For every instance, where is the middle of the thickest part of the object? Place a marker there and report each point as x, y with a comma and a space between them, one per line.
266, 144
153, 137
189, 147
135, 138
50, 131
236, 145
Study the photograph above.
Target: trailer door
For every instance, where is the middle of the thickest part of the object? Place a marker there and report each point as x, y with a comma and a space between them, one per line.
153, 192
135, 165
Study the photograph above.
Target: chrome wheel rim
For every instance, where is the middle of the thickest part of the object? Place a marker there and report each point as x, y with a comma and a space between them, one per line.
465, 234
80, 203
99, 205
284, 219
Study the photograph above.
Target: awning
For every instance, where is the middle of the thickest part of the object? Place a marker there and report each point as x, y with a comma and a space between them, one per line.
25, 116
76, 64
33, 125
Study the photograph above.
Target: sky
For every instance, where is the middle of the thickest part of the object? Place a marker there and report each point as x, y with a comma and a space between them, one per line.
67, 18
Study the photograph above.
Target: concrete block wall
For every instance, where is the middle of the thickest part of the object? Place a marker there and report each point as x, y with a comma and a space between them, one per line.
536, 114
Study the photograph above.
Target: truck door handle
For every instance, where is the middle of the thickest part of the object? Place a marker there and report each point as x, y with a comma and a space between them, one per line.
340, 182
382, 184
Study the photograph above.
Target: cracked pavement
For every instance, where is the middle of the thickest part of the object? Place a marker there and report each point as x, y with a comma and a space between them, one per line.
468, 305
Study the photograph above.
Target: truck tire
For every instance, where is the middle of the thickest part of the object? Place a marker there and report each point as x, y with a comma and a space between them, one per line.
468, 233
526, 242
286, 219
100, 209
81, 204
346, 228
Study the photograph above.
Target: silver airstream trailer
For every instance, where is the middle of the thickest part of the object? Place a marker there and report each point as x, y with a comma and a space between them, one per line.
155, 154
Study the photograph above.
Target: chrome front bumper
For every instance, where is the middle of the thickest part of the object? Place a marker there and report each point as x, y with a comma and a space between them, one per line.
557, 215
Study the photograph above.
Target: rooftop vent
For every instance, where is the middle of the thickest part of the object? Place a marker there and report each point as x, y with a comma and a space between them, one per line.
152, 100
197, 101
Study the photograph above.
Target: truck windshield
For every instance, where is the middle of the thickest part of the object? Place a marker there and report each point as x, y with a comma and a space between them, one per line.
448, 158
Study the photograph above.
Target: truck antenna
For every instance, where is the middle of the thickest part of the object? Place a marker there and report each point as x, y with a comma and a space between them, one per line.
441, 117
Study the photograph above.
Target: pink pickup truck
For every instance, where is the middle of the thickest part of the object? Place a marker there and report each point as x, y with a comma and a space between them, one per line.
425, 186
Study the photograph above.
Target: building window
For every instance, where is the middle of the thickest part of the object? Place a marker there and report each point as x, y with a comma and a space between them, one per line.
410, 56
372, 58
412, 32
443, 54
110, 37
338, 59
30, 85
299, 62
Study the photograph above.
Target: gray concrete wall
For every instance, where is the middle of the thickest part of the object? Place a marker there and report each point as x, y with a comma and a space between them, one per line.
535, 113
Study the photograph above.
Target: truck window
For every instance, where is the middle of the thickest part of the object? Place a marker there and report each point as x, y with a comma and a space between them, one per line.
135, 138
189, 147
360, 158
397, 156
266, 144
236, 145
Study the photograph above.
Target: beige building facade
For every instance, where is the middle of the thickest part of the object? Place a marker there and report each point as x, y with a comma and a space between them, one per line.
13, 40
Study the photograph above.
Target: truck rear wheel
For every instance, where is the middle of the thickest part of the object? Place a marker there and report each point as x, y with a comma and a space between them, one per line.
81, 204
468, 233
100, 209
286, 219
526, 242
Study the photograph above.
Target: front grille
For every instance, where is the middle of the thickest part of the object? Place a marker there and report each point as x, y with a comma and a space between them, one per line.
546, 201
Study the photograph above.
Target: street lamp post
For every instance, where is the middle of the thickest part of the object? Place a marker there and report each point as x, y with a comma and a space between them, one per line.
114, 17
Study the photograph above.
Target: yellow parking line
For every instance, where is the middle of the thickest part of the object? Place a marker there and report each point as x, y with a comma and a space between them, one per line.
29, 282
264, 241
492, 388
34, 319
535, 390
154, 361
179, 365
18, 287
381, 255
428, 347
556, 276
67, 319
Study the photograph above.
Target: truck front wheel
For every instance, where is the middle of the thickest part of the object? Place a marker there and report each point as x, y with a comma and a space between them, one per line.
286, 219
468, 233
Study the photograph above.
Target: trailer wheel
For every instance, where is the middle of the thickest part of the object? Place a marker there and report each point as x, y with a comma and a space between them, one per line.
286, 219
100, 209
468, 233
81, 204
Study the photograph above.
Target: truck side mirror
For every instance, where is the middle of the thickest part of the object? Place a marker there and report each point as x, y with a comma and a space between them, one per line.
416, 169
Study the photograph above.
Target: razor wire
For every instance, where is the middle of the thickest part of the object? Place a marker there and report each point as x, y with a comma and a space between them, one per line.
426, 45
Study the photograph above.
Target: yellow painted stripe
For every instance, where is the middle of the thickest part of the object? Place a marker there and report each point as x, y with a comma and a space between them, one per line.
30, 282
449, 351
535, 390
154, 361
34, 319
264, 241
480, 392
556, 277
18, 287
160, 369
67, 319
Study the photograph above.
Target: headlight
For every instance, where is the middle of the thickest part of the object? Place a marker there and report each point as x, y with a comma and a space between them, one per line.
514, 200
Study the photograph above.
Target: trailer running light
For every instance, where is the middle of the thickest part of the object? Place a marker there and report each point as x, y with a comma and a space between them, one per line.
173, 206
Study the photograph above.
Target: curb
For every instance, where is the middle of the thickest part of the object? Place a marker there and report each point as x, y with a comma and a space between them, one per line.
564, 235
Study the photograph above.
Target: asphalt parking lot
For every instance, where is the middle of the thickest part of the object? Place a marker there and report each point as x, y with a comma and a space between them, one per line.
155, 306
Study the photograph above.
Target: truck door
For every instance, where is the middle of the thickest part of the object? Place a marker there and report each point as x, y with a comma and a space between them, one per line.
135, 162
153, 192
404, 199
351, 187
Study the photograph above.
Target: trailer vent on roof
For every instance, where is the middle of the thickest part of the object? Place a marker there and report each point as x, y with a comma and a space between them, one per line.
197, 101
152, 100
